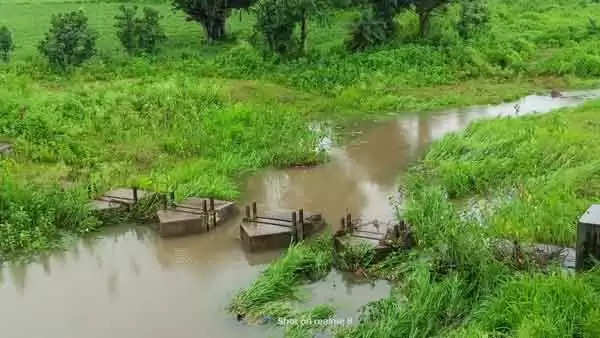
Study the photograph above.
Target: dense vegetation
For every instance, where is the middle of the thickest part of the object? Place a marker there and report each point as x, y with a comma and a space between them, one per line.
456, 282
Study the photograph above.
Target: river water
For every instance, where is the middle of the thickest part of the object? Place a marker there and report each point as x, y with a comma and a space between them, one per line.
127, 282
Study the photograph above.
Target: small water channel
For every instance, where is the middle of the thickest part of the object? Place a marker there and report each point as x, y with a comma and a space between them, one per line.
128, 282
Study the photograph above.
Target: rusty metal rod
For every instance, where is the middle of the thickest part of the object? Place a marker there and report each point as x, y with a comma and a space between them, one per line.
300, 228
274, 219
277, 224
349, 223
248, 213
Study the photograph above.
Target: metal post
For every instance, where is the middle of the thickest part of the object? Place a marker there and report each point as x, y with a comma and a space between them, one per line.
164, 202
254, 210
343, 224
294, 224
247, 213
135, 194
300, 229
213, 213
349, 223
205, 213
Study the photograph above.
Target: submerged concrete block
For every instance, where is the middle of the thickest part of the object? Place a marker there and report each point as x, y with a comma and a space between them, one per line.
116, 202
274, 229
189, 217
177, 223
127, 196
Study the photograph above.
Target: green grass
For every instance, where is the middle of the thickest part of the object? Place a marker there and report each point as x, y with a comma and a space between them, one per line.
270, 295
542, 171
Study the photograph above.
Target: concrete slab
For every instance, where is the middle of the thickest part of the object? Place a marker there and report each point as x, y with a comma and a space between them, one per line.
224, 209
591, 216
188, 218
123, 196
378, 235
258, 235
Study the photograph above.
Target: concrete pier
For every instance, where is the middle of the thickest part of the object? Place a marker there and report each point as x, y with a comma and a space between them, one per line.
277, 229
588, 238
117, 200
193, 215
382, 237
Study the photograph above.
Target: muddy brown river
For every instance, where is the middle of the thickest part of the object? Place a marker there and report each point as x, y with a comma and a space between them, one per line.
127, 282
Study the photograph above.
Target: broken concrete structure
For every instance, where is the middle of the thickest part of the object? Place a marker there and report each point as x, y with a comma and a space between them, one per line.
383, 237
193, 215
277, 229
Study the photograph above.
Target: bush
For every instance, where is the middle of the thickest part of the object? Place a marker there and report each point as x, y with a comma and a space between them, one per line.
474, 17
139, 35
70, 41
6, 43
368, 31
34, 219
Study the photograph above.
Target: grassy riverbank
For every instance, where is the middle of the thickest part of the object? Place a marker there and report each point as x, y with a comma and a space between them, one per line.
540, 174
196, 118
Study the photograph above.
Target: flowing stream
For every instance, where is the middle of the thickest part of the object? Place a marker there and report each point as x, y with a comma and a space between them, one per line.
127, 282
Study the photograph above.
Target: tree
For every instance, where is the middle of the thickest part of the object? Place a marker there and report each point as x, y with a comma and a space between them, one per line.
211, 14
139, 35
70, 41
6, 43
276, 20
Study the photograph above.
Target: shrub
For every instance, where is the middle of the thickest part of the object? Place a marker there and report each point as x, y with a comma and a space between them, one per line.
474, 17
139, 35
377, 25
6, 43
368, 31
70, 41
34, 219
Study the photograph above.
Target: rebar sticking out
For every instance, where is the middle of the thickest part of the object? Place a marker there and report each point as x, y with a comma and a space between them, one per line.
300, 228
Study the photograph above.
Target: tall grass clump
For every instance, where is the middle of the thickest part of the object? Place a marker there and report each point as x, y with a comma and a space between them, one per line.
542, 167
538, 305
307, 261
33, 219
